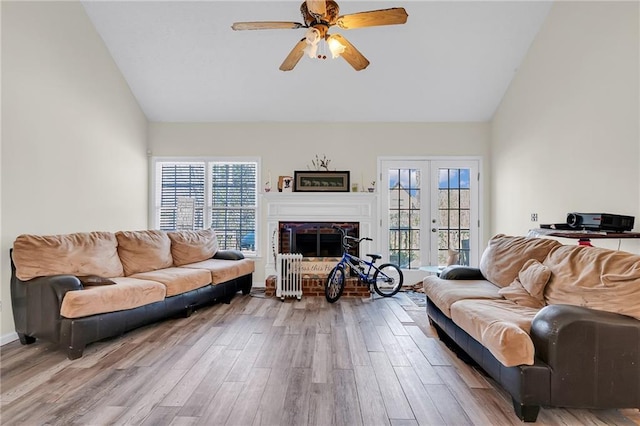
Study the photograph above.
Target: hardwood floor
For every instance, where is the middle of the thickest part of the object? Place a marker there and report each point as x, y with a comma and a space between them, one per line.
259, 361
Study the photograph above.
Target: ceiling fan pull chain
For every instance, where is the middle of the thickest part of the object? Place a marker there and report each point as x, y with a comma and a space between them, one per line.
323, 52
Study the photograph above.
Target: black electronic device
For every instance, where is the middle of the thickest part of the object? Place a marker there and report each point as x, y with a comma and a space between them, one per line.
600, 221
557, 226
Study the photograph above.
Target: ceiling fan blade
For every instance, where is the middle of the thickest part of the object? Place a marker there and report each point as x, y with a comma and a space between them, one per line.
351, 54
317, 7
267, 25
394, 16
294, 56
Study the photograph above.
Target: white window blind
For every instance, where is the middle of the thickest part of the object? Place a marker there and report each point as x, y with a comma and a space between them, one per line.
234, 195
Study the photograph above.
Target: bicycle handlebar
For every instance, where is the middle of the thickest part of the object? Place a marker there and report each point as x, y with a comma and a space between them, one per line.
354, 239
346, 237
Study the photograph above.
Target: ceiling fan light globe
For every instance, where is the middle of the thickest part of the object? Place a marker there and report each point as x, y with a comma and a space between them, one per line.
335, 47
312, 38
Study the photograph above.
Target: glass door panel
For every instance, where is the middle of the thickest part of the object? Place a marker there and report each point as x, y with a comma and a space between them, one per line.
455, 213
403, 186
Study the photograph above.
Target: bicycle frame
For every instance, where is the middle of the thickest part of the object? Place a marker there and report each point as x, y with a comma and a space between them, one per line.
358, 265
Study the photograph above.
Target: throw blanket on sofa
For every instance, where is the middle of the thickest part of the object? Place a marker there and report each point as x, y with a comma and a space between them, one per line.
595, 278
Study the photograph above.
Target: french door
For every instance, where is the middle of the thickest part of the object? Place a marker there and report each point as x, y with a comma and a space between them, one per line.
430, 211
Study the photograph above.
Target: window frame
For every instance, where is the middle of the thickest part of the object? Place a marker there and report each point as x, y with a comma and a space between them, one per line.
155, 197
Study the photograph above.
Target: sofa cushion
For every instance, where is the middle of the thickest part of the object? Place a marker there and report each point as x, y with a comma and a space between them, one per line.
593, 277
83, 253
516, 293
127, 293
178, 280
142, 251
500, 326
528, 287
229, 254
534, 277
459, 272
504, 256
444, 293
224, 270
91, 280
192, 246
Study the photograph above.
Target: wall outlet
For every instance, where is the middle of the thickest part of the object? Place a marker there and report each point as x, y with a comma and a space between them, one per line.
534, 217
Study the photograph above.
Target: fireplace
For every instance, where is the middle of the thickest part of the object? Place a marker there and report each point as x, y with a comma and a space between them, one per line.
335, 208
315, 239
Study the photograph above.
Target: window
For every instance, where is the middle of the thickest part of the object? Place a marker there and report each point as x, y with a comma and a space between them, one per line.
216, 193
180, 181
233, 211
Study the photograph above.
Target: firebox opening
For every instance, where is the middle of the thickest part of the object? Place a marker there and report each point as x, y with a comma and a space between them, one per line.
316, 239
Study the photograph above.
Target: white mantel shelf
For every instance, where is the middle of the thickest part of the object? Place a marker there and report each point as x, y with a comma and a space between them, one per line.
347, 205
359, 207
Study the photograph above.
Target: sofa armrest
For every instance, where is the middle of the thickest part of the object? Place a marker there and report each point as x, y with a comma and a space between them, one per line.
48, 292
458, 272
37, 304
61, 284
228, 255
594, 355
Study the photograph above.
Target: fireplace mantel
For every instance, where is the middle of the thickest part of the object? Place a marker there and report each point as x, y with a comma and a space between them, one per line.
359, 207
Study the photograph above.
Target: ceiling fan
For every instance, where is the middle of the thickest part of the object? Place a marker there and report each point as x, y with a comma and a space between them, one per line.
318, 16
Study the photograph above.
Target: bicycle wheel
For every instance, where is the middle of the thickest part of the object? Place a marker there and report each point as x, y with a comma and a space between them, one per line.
387, 280
335, 284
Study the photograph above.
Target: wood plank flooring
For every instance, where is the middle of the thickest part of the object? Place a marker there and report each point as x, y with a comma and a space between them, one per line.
260, 361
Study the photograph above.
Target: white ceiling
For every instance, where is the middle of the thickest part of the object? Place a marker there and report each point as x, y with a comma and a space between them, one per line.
451, 62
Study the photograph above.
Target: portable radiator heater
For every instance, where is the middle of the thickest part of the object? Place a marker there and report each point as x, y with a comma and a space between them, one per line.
288, 270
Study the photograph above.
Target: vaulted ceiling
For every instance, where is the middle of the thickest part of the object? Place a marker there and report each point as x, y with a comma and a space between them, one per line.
451, 62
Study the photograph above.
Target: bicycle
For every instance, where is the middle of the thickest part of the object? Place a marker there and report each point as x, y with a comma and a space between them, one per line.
386, 280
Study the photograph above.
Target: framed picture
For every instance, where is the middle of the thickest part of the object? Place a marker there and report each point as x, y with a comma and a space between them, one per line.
285, 184
315, 181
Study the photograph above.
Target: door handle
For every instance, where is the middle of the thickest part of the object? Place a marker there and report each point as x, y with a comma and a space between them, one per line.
434, 229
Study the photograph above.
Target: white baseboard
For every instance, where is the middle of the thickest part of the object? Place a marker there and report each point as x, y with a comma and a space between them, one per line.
258, 284
8, 338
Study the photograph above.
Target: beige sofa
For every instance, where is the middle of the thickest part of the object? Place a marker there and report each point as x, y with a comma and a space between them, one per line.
555, 325
77, 288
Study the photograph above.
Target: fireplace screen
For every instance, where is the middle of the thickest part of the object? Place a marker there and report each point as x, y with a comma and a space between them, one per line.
315, 239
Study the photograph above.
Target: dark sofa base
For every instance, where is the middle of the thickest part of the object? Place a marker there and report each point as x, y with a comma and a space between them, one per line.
74, 334
528, 385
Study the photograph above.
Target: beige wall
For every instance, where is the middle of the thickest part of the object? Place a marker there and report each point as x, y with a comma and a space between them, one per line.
565, 137
285, 147
73, 137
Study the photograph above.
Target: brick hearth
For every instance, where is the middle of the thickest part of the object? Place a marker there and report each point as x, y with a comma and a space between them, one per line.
315, 287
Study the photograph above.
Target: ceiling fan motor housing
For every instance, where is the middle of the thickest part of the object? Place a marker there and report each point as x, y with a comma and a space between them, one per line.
328, 19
